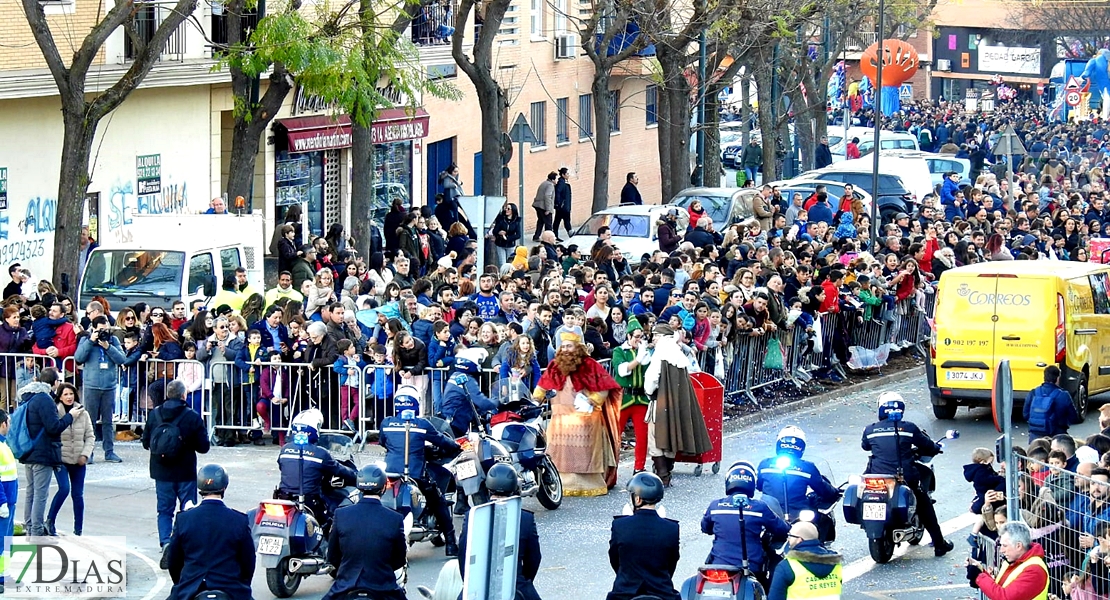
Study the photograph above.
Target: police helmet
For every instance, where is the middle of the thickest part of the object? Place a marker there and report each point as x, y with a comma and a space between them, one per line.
371, 480
307, 423
406, 402
740, 479
211, 479
501, 480
891, 406
791, 441
470, 360
647, 487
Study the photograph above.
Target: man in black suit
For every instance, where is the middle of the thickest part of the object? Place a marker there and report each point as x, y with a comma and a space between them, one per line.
502, 482
643, 548
211, 548
367, 543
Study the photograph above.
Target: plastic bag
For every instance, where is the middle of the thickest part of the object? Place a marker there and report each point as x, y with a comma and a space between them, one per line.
818, 341
863, 359
773, 359
719, 367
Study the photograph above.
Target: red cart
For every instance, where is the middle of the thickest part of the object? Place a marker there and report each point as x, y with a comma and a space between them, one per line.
711, 399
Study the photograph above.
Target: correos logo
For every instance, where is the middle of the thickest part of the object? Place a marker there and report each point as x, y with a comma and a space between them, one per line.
975, 298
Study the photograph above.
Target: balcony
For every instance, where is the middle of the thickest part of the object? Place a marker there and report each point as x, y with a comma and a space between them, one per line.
435, 24
219, 22
148, 16
858, 42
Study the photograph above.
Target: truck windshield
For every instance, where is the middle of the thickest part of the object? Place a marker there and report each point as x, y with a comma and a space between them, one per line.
123, 273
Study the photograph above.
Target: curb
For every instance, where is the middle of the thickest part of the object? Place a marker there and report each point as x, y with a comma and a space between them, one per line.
733, 425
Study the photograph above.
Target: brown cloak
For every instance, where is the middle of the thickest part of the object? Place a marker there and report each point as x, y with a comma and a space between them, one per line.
679, 425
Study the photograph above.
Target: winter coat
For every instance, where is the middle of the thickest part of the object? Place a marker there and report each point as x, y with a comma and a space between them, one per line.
545, 196
92, 356
13, 340
1029, 583
78, 439
42, 418
414, 360
668, 237
512, 229
817, 559
984, 479
194, 439
846, 229
762, 211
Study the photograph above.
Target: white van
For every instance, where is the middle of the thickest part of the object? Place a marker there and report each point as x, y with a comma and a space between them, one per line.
174, 257
913, 171
888, 140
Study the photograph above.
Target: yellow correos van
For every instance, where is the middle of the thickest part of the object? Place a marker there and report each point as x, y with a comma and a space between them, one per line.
1034, 313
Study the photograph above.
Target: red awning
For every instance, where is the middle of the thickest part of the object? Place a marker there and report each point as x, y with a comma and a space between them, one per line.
311, 134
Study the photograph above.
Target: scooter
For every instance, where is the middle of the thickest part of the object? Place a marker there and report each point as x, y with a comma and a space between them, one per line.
885, 507
402, 494
726, 581
515, 436
291, 541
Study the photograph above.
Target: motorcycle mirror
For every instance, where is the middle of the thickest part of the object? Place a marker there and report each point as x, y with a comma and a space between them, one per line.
855, 480
952, 434
808, 516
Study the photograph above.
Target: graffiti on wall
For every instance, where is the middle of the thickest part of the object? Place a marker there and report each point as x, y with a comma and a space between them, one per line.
123, 204
31, 239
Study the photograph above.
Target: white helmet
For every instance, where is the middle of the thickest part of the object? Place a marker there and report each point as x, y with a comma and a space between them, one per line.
891, 406
792, 440
311, 417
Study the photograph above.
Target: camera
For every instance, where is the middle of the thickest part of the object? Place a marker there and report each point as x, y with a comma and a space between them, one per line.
103, 335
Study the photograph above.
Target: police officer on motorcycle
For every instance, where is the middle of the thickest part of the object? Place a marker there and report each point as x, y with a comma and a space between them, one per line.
723, 521
502, 482
895, 446
404, 436
211, 548
643, 546
463, 400
307, 469
367, 544
789, 479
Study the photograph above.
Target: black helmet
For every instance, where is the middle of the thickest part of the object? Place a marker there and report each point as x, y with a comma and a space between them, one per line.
211, 479
501, 480
371, 479
740, 479
647, 487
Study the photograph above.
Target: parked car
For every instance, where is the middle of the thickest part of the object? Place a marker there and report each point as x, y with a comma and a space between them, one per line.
835, 190
888, 140
893, 195
938, 164
633, 227
725, 206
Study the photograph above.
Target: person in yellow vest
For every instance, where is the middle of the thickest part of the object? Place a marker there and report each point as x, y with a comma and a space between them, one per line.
9, 488
810, 571
1023, 575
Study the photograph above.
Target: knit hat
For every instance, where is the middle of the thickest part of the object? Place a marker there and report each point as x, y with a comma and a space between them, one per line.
445, 262
663, 329
571, 334
633, 325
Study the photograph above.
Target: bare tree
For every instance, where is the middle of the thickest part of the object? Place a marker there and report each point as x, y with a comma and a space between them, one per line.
82, 111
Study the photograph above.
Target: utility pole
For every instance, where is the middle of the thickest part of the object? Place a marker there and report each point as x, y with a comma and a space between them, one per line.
699, 169
881, 54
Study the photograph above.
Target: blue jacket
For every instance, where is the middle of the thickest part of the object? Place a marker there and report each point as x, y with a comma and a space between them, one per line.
419, 432
722, 521
821, 212
318, 466
817, 559
268, 338
243, 363
1049, 411
462, 401
790, 486
1084, 517
100, 366
367, 544
42, 418
948, 199
341, 365
441, 351
211, 549
381, 382
890, 454
984, 479
530, 379
662, 296
422, 329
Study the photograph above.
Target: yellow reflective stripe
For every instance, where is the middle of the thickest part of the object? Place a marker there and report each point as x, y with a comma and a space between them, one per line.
808, 586
1013, 574
9, 467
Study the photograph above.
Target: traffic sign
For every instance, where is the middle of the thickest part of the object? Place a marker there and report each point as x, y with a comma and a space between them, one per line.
522, 131
1072, 98
1073, 83
905, 91
1009, 144
1040, 89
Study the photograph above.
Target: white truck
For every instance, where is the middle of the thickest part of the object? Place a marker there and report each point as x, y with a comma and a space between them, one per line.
174, 257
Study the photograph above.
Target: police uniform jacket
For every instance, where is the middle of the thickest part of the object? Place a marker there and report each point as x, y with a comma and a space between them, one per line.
722, 521
318, 465
790, 485
462, 401
419, 431
528, 556
367, 544
643, 550
211, 549
896, 445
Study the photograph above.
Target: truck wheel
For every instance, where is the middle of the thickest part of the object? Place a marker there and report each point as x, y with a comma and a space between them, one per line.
1082, 399
945, 412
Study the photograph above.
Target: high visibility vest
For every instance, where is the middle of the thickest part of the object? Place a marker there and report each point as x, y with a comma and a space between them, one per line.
1012, 574
808, 586
9, 467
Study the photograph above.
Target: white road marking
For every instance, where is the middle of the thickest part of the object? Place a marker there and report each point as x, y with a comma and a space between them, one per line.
886, 595
159, 583
865, 565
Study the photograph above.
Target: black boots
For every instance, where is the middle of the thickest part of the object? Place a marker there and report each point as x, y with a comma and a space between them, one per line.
452, 546
662, 468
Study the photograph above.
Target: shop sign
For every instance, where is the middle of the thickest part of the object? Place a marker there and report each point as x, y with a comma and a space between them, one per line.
148, 174
395, 125
3, 188
1005, 59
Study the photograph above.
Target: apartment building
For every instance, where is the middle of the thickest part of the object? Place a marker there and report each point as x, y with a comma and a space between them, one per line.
167, 148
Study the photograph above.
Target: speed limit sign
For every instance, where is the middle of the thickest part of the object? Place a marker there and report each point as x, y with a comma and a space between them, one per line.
1072, 98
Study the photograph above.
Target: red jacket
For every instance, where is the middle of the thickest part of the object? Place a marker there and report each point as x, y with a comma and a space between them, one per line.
65, 340
832, 298
925, 265
1026, 586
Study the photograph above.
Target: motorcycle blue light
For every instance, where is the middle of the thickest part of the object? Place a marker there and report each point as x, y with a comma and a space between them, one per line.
782, 461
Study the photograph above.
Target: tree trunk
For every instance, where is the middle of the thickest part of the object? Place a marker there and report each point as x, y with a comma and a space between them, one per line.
803, 130
746, 108
362, 185
766, 123
76, 150
674, 123
712, 128
603, 128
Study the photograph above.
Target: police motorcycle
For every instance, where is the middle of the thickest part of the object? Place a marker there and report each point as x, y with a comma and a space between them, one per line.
884, 506
402, 494
729, 581
790, 446
290, 540
515, 436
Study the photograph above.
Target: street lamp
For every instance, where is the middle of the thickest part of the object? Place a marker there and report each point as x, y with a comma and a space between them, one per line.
881, 55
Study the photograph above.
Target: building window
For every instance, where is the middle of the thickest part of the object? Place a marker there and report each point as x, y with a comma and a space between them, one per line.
614, 111
585, 116
539, 124
651, 105
535, 20
562, 136
560, 10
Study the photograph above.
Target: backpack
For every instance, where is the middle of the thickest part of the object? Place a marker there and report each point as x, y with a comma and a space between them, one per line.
1041, 404
19, 436
166, 442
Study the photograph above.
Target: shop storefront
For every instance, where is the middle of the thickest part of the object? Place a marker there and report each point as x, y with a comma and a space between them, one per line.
311, 165
972, 62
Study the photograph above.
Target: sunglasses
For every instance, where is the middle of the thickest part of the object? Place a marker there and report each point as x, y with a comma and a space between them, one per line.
129, 319
221, 327
157, 315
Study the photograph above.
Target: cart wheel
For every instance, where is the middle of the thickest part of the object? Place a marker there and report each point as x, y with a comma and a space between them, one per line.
697, 471
716, 468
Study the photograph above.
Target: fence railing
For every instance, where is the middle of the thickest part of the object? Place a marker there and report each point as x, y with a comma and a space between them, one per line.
435, 23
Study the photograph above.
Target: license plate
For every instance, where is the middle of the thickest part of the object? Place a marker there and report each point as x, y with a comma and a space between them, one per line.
466, 469
716, 592
874, 512
271, 545
966, 376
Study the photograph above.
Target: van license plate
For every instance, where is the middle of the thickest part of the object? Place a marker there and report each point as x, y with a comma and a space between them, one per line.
466, 469
966, 376
874, 511
271, 545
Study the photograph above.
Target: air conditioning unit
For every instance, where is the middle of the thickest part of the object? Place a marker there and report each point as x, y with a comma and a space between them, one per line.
944, 64
566, 46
